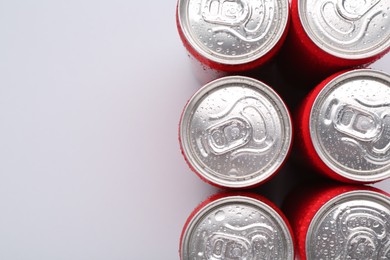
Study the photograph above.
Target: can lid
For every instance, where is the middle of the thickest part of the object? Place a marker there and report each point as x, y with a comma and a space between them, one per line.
350, 29
350, 125
235, 132
237, 227
353, 225
233, 32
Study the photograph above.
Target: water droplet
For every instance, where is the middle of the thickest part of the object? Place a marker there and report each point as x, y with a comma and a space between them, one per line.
219, 215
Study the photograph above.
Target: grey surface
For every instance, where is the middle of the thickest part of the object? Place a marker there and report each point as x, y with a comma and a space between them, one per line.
90, 98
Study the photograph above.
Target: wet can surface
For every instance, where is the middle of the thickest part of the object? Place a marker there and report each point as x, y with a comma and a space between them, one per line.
340, 222
328, 35
232, 36
244, 226
343, 126
235, 132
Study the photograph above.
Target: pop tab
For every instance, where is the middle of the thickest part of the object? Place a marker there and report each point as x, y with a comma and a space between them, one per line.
229, 13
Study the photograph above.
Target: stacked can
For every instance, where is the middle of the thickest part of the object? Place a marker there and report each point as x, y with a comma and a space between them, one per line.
340, 222
225, 37
235, 132
343, 126
236, 226
327, 36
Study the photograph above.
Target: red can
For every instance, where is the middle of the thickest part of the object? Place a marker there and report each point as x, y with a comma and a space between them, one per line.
343, 126
235, 132
236, 226
327, 36
231, 36
340, 222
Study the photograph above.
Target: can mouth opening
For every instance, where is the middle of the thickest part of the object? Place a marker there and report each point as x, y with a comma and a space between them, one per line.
232, 32
346, 29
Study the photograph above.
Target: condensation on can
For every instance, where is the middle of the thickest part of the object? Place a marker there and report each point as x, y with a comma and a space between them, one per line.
231, 37
235, 132
236, 226
338, 221
327, 36
343, 126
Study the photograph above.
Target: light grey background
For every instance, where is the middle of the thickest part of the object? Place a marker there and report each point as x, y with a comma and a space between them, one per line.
91, 92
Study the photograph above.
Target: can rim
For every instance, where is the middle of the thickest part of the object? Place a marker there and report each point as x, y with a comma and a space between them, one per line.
340, 53
258, 86
375, 196
266, 209
225, 59
329, 162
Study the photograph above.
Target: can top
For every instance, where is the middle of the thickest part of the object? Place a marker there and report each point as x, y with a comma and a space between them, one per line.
237, 227
350, 125
235, 132
353, 225
233, 32
350, 29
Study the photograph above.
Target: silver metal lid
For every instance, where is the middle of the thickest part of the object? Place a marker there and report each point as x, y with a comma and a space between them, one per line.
239, 228
235, 132
350, 125
354, 225
351, 29
233, 31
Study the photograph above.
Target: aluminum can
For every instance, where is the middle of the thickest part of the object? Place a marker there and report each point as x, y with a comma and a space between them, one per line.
343, 126
340, 222
235, 132
236, 226
327, 36
231, 36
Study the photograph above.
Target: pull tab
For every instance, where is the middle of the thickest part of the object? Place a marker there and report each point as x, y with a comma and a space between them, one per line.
228, 135
359, 124
226, 12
